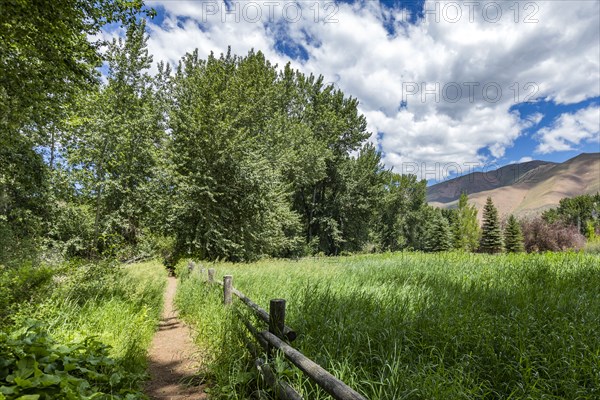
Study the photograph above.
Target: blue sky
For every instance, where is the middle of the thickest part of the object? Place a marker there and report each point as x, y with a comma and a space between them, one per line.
440, 82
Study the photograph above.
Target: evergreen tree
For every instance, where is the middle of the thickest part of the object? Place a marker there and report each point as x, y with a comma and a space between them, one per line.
466, 227
513, 236
439, 235
491, 235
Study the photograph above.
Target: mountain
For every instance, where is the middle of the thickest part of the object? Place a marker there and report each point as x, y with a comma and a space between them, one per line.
523, 189
476, 182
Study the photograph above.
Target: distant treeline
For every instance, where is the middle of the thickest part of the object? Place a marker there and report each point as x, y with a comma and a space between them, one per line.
225, 157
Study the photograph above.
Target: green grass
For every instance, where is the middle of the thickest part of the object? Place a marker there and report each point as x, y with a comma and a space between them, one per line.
417, 326
118, 306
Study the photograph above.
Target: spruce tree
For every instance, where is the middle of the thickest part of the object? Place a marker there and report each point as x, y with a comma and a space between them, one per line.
513, 236
439, 235
491, 236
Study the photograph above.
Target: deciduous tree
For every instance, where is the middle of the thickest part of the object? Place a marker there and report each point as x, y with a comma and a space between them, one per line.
466, 227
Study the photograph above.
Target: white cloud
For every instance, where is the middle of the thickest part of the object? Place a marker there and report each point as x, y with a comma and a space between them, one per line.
569, 130
556, 58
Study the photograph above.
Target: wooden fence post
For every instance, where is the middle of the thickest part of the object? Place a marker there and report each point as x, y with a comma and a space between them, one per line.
211, 275
276, 320
227, 289
277, 317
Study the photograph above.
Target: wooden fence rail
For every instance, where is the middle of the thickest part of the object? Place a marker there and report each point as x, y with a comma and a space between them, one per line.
275, 338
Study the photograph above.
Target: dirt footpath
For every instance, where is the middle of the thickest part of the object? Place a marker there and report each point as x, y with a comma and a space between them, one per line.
173, 359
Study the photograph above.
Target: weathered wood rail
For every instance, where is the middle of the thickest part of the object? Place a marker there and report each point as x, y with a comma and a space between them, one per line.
277, 337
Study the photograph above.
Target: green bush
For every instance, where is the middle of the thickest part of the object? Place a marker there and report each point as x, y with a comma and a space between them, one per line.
118, 305
18, 285
592, 247
34, 366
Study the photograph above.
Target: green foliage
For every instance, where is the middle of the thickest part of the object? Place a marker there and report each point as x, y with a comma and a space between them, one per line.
35, 366
578, 211
491, 235
401, 207
465, 228
439, 234
23, 196
443, 326
593, 247
262, 162
47, 60
513, 236
116, 135
71, 229
118, 306
25, 283
226, 158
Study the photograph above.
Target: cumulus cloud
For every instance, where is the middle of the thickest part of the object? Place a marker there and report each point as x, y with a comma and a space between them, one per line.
437, 90
569, 130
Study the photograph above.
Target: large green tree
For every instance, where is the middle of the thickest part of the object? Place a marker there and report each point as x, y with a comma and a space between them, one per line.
439, 235
237, 120
46, 59
116, 137
229, 200
579, 211
400, 206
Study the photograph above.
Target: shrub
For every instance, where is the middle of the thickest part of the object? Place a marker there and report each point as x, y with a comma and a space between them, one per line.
34, 366
593, 246
540, 235
26, 283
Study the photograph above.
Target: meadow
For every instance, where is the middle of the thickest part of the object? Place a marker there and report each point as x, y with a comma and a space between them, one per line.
415, 326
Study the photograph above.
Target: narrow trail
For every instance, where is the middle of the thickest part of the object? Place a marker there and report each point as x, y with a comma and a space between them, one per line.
173, 359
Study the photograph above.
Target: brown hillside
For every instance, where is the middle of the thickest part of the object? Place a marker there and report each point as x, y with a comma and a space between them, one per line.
450, 190
542, 187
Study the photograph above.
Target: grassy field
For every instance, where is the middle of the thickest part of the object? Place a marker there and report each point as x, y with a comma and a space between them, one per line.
417, 326
117, 306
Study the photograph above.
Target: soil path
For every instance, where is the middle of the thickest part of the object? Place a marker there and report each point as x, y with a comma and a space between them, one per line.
173, 359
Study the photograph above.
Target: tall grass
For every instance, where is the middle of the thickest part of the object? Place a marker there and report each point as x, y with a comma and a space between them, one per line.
118, 305
416, 326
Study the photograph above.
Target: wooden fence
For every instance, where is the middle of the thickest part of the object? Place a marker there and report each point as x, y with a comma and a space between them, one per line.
278, 337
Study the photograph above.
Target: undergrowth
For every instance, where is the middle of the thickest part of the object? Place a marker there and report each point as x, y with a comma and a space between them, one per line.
417, 326
85, 336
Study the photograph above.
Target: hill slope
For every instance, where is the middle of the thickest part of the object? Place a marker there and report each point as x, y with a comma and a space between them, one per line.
523, 189
448, 191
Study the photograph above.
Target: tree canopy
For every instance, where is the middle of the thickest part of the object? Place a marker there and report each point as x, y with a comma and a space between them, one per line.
219, 157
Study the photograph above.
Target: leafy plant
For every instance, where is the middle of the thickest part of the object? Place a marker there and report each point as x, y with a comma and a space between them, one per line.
34, 366
466, 226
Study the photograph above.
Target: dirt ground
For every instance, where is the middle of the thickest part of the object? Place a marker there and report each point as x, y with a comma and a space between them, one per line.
173, 359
